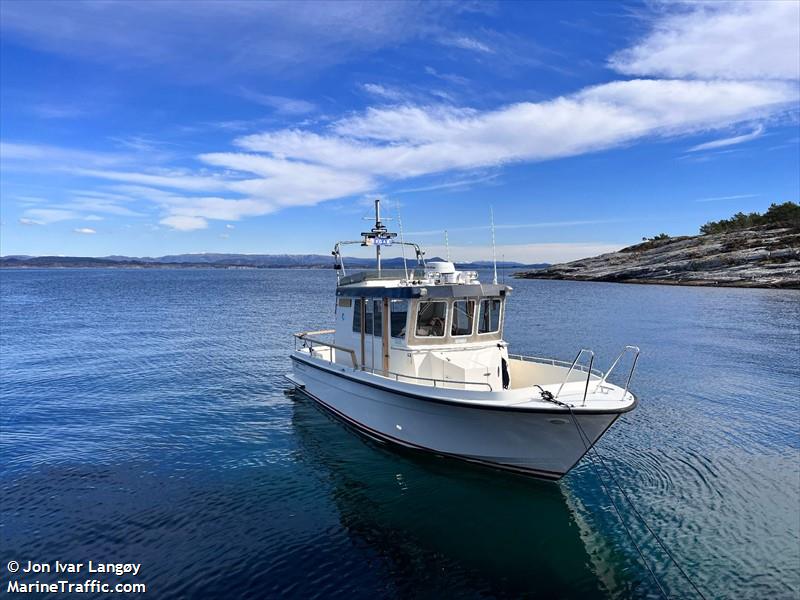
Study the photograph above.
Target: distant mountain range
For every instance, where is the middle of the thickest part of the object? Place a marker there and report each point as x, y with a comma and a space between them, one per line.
225, 261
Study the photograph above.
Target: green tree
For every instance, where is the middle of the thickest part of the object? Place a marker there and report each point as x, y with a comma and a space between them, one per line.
777, 215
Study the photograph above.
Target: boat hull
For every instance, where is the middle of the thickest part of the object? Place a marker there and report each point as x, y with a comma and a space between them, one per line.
541, 443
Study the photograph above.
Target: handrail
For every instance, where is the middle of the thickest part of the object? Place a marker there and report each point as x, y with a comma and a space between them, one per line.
572, 366
636, 350
304, 336
554, 362
434, 380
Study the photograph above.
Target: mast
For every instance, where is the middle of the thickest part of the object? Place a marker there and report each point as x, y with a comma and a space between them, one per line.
378, 236
494, 249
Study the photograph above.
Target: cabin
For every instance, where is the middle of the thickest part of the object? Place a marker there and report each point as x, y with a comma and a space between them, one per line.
439, 325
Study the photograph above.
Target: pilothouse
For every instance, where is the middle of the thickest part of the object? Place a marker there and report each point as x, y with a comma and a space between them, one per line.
417, 358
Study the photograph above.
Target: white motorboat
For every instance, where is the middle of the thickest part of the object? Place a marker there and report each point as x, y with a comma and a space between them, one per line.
417, 358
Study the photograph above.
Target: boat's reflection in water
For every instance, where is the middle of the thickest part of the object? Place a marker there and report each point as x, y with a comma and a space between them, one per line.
443, 529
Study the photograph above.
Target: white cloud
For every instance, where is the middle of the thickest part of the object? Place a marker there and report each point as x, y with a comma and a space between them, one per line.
382, 91
229, 226
449, 77
748, 79
26, 221
281, 104
91, 204
466, 43
729, 141
725, 40
45, 216
734, 197
288, 183
177, 180
47, 156
84, 230
402, 142
296, 167
184, 223
458, 184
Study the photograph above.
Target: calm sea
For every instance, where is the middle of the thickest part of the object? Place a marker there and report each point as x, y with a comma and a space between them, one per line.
145, 419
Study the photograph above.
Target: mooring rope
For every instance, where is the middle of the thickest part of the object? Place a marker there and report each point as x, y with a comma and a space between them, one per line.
547, 396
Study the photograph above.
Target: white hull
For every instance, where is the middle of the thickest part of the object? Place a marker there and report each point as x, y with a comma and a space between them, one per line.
542, 441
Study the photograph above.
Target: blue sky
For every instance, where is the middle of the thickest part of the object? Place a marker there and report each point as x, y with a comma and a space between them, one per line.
151, 128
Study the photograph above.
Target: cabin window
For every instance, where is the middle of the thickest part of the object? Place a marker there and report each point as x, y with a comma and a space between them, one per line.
463, 315
489, 321
431, 317
357, 315
373, 321
398, 309
345, 302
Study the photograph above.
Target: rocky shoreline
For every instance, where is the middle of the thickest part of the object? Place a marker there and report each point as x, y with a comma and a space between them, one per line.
758, 257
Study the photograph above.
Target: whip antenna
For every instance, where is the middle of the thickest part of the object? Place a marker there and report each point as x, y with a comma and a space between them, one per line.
494, 249
402, 240
447, 245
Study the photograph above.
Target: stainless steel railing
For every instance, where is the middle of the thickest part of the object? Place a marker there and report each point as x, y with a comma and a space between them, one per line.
554, 362
588, 372
440, 382
575, 366
636, 351
308, 342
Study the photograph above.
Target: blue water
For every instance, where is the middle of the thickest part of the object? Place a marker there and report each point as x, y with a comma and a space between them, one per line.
145, 419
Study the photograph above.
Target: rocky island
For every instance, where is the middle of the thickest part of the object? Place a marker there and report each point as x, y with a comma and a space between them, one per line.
751, 250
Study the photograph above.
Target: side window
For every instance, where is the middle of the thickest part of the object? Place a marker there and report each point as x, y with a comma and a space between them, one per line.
357, 315
463, 315
399, 312
431, 318
369, 316
377, 314
373, 324
489, 320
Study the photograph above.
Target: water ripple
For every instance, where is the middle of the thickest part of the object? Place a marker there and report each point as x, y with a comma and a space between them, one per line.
144, 419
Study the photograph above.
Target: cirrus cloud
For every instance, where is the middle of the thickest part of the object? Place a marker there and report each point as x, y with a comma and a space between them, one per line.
719, 40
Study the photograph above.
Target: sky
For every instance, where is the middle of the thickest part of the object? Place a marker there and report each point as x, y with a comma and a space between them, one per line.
153, 128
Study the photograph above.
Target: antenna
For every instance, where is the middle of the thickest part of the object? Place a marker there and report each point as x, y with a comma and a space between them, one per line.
447, 245
378, 225
378, 236
402, 241
494, 249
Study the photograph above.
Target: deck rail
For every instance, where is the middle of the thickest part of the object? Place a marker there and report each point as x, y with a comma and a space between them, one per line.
589, 370
436, 382
308, 342
555, 363
581, 352
636, 351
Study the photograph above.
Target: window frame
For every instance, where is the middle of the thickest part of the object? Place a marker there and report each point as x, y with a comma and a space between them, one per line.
499, 316
446, 320
371, 323
472, 324
392, 301
357, 316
